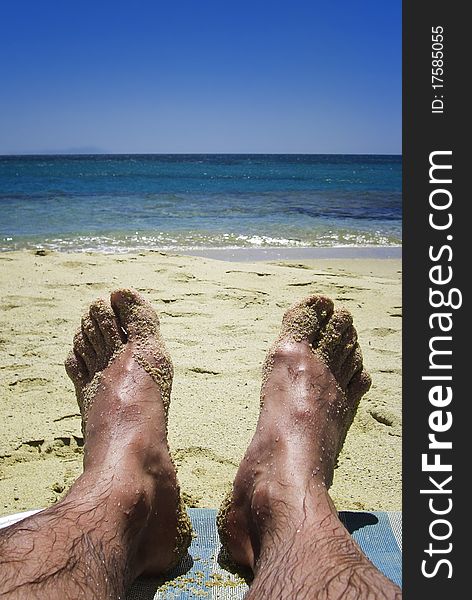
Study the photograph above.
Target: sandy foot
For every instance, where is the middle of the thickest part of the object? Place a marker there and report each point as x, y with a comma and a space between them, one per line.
313, 380
123, 378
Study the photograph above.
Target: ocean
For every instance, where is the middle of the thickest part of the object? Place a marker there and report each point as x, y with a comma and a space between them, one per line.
123, 203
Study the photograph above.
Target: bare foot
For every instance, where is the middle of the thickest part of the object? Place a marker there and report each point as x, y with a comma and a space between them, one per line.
279, 509
123, 377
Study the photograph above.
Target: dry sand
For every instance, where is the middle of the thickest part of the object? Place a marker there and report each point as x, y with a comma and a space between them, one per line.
218, 319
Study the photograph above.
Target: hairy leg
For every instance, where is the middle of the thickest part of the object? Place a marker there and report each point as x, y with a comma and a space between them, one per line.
123, 516
279, 524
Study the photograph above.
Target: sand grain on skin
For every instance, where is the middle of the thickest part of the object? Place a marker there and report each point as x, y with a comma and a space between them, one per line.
138, 325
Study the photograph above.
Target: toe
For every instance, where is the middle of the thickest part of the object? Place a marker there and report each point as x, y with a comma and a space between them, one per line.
104, 318
334, 339
135, 315
358, 386
346, 359
92, 333
84, 349
346, 342
306, 319
76, 369
351, 365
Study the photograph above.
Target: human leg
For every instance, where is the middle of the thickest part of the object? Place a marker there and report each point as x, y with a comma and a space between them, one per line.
123, 516
279, 523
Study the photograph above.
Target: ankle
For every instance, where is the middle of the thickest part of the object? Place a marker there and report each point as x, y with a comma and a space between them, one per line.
289, 512
124, 496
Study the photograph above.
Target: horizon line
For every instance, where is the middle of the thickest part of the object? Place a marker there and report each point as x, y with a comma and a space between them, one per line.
201, 153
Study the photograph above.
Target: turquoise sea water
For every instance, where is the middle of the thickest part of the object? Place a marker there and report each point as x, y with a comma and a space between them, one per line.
119, 203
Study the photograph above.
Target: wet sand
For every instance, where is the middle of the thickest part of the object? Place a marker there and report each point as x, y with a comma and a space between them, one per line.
218, 319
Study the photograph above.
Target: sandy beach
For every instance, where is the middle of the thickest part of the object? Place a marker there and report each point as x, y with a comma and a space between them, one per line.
218, 319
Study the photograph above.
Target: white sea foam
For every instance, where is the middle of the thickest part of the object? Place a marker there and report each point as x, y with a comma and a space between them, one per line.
122, 243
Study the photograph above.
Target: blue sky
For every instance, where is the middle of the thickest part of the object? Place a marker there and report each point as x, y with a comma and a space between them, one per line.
200, 76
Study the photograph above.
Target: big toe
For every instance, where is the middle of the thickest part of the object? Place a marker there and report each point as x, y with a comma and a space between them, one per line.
135, 315
305, 320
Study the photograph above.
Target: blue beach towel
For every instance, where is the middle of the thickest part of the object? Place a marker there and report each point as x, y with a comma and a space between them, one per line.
199, 575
